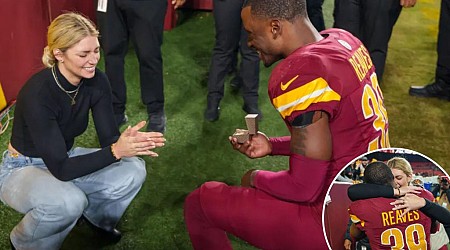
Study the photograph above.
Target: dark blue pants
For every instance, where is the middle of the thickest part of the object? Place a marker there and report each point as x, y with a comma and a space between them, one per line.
231, 37
443, 45
142, 22
372, 22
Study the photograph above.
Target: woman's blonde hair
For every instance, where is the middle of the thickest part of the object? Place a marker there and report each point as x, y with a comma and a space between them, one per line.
400, 164
64, 32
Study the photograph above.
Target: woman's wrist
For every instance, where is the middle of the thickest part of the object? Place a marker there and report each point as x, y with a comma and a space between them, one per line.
113, 152
423, 202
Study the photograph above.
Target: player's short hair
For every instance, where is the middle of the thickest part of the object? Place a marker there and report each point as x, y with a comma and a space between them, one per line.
378, 173
281, 9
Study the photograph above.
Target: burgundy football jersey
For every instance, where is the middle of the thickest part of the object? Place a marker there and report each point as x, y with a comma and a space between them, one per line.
427, 195
386, 229
335, 75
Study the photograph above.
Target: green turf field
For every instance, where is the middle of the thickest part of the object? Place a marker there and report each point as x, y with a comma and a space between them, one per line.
197, 151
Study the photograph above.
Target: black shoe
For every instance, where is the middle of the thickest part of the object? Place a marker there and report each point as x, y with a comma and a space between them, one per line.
12, 246
113, 236
438, 89
212, 111
121, 119
156, 122
253, 109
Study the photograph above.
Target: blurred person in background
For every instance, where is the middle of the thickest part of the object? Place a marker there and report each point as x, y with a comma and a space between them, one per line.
142, 22
231, 38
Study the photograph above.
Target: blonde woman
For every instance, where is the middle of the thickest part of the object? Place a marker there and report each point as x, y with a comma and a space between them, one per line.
42, 175
403, 175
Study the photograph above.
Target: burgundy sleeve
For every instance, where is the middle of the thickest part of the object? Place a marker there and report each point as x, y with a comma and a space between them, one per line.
281, 145
356, 212
303, 182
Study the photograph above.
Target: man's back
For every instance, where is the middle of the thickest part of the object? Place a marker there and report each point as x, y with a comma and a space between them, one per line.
334, 75
386, 229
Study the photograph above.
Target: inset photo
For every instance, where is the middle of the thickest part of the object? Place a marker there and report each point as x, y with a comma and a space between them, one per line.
391, 198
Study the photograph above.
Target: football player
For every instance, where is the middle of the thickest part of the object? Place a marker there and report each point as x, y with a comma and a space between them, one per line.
327, 93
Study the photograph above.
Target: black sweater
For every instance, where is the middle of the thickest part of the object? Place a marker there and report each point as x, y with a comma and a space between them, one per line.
46, 124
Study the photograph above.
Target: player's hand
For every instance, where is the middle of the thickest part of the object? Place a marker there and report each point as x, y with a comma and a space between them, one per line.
408, 190
347, 244
407, 3
247, 178
132, 142
177, 3
408, 202
257, 146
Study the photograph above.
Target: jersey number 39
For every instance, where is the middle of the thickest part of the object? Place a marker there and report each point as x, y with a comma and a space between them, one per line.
414, 236
372, 105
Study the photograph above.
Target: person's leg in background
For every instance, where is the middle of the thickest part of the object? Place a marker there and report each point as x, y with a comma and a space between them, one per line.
146, 24
227, 17
236, 81
249, 73
347, 16
114, 43
379, 18
440, 88
315, 14
443, 47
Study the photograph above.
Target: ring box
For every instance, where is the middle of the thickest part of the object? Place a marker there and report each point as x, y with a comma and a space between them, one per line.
243, 135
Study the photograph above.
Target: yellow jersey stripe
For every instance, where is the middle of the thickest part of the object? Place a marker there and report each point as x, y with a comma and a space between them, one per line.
302, 97
354, 218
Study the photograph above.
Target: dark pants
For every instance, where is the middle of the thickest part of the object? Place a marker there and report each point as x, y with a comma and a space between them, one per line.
372, 22
230, 35
143, 23
443, 45
315, 14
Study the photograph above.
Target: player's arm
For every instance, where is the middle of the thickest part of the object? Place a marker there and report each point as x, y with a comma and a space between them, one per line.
356, 233
311, 150
367, 191
280, 145
347, 237
355, 226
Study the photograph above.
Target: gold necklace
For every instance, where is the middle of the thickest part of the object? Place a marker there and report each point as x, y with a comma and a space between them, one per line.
66, 91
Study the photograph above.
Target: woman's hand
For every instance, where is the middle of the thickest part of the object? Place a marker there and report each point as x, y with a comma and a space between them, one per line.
132, 142
257, 146
177, 3
407, 3
347, 244
408, 202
